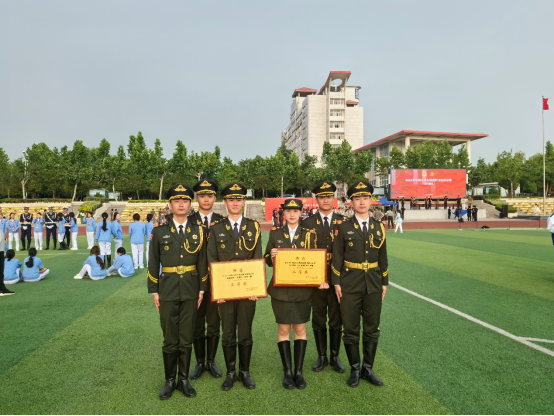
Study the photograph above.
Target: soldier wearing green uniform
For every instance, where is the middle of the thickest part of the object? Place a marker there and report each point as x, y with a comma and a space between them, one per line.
206, 343
291, 305
180, 249
324, 302
360, 277
236, 238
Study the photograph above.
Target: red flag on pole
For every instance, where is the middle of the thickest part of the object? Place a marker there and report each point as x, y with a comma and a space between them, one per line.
545, 103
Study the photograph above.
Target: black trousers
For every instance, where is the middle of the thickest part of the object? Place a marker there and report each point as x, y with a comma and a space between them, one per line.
177, 320
51, 232
207, 314
390, 222
237, 316
354, 305
26, 233
325, 303
67, 237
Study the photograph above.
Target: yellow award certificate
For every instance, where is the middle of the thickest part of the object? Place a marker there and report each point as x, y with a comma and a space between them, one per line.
302, 268
233, 280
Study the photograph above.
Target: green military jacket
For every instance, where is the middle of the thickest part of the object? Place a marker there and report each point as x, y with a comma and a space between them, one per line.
351, 246
280, 238
314, 222
166, 250
222, 245
196, 218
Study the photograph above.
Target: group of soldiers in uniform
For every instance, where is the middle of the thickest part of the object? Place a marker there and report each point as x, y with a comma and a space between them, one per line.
25, 225
179, 281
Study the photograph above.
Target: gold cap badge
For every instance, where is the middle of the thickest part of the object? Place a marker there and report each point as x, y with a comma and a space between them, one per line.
235, 187
180, 188
361, 185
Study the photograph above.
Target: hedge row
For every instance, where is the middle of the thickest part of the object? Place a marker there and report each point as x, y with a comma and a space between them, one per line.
22, 201
90, 206
96, 198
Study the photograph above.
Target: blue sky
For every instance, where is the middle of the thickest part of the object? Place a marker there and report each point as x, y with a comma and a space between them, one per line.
222, 73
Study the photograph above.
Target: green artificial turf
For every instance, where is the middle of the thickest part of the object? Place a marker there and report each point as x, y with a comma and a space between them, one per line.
84, 347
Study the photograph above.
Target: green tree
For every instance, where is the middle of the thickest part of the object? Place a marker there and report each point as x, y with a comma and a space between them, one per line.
205, 164
444, 155
115, 168
481, 173
227, 173
397, 158
509, 168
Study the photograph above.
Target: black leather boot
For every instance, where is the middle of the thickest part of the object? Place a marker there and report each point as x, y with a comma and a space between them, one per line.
245, 351
183, 384
170, 367
47, 244
286, 359
353, 354
211, 346
199, 345
230, 354
334, 346
321, 345
370, 348
55, 241
299, 353
23, 245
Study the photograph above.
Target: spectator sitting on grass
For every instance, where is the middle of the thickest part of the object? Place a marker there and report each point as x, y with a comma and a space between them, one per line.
93, 266
33, 268
123, 264
12, 268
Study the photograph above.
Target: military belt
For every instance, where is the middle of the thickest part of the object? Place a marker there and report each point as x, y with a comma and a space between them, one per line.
361, 266
179, 269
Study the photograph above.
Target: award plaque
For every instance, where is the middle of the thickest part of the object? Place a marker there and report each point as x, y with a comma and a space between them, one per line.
300, 268
233, 280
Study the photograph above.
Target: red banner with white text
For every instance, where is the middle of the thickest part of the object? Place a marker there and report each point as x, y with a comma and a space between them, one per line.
436, 183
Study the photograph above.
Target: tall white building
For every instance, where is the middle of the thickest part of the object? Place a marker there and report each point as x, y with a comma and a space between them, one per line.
331, 115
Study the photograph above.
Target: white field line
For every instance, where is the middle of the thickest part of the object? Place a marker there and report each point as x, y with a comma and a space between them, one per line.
522, 340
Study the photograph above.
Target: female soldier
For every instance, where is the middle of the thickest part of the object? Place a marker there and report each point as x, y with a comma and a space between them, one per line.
91, 228
104, 232
291, 305
13, 229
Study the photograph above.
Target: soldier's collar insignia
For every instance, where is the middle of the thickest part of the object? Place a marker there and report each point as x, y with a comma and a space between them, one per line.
243, 227
325, 186
361, 186
356, 226
172, 229
205, 183
296, 236
180, 188
235, 187
372, 227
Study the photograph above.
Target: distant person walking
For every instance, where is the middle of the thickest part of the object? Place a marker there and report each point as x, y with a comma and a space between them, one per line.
398, 223
390, 218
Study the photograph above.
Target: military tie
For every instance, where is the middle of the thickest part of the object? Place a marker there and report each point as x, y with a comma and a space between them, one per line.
364, 228
206, 222
181, 234
236, 230
326, 226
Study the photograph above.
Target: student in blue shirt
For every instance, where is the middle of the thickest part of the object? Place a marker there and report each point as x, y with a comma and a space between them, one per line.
104, 233
137, 231
74, 228
33, 268
149, 228
93, 266
122, 265
37, 230
12, 268
13, 231
117, 231
3, 223
91, 229
61, 229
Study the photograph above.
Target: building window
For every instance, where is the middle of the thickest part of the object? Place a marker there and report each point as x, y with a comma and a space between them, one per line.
336, 101
384, 150
385, 181
336, 113
337, 136
374, 153
336, 124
